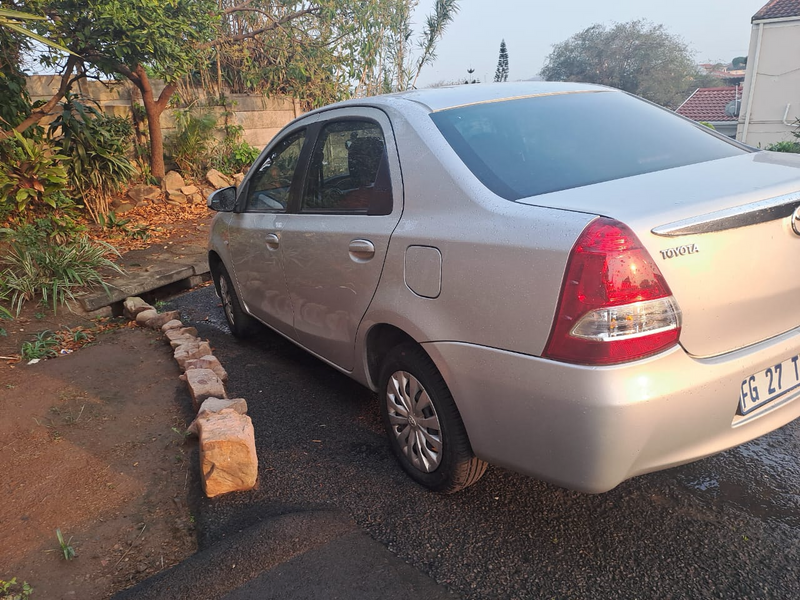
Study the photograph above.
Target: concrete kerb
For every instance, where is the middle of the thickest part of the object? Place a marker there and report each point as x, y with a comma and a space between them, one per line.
228, 458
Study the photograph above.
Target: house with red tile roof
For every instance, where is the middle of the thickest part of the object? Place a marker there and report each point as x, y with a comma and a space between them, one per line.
717, 106
771, 93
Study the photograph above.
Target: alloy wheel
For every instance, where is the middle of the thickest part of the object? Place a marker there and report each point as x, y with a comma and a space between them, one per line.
414, 421
227, 300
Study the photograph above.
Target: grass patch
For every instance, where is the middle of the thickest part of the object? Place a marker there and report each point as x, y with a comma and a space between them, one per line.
52, 272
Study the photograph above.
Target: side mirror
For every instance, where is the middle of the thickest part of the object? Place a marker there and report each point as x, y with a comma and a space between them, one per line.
223, 200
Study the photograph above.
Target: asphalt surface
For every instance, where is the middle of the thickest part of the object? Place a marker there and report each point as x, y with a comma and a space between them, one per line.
725, 527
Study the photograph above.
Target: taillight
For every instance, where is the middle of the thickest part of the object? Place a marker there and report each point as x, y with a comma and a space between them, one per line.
615, 305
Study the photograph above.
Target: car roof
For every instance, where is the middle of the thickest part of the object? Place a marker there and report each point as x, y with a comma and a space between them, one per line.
444, 98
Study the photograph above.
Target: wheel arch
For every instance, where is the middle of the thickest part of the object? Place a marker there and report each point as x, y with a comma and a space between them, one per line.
380, 339
214, 263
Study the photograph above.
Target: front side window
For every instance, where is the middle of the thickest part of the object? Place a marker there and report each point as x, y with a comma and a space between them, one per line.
270, 187
348, 170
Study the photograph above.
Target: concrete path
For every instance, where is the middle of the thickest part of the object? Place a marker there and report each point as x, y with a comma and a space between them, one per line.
150, 269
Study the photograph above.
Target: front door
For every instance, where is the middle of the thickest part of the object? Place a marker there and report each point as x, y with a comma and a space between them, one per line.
256, 233
335, 245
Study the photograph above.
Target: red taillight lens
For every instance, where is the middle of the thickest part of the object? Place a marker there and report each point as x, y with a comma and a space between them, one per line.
615, 305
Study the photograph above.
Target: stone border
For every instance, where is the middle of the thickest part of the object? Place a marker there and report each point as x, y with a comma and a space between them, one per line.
228, 460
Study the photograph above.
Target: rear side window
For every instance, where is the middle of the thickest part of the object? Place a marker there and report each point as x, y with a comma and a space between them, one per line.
348, 172
531, 146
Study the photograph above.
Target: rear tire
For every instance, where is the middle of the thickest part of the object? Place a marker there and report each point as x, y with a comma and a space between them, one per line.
423, 425
240, 323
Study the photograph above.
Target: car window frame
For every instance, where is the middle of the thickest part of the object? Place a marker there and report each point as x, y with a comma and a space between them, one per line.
384, 169
298, 178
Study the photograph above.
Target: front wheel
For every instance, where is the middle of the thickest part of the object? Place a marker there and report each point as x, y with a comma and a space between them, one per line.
240, 323
425, 430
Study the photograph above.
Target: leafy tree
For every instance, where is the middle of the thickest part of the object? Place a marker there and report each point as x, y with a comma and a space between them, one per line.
16, 112
14, 101
396, 64
638, 57
15, 20
501, 74
312, 49
740, 62
320, 48
139, 40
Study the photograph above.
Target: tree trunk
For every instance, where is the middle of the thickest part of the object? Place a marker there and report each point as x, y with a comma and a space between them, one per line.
153, 108
156, 139
38, 113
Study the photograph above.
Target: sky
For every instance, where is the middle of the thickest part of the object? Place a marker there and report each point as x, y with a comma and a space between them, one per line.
716, 30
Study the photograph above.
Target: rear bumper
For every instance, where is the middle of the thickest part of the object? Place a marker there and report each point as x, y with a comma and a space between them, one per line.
590, 428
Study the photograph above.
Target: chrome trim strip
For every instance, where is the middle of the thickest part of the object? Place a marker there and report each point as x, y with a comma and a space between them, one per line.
733, 218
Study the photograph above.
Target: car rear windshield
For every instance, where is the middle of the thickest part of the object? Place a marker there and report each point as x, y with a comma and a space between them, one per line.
530, 146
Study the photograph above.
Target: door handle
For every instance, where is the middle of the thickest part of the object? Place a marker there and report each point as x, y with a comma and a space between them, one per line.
361, 250
272, 240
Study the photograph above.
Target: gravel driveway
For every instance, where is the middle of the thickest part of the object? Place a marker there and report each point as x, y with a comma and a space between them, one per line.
725, 527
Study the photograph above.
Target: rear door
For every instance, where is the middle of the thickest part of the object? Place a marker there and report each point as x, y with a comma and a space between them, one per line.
255, 231
335, 245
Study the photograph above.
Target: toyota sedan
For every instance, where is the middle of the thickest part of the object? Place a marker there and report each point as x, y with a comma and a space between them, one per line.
560, 279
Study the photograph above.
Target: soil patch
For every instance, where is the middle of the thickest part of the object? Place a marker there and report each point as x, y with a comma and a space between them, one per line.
91, 443
162, 222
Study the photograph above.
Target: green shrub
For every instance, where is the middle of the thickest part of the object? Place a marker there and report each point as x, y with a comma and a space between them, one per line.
119, 224
793, 147
233, 154
43, 346
31, 176
11, 590
190, 148
95, 147
32, 267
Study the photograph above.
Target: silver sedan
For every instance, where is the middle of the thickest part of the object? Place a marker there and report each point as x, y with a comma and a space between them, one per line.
561, 279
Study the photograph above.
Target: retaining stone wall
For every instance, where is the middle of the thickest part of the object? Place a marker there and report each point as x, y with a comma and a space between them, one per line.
261, 117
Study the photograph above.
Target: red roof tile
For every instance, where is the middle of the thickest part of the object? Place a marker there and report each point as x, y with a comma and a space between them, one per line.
708, 104
778, 9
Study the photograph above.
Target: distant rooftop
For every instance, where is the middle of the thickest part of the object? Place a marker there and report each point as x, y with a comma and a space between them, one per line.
708, 104
778, 9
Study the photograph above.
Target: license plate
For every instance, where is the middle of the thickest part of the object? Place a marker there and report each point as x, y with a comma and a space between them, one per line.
765, 386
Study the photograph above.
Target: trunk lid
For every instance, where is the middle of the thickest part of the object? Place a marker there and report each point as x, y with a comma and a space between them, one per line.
721, 232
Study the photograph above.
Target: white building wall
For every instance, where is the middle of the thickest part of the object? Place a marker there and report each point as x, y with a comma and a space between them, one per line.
772, 84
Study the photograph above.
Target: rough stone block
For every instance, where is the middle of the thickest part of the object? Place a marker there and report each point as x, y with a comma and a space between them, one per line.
216, 405
160, 319
203, 384
189, 190
188, 351
133, 306
145, 316
140, 193
228, 459
170, 325
217, 179
173, 334
173, 182
181, 340
208, 362
176, 197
